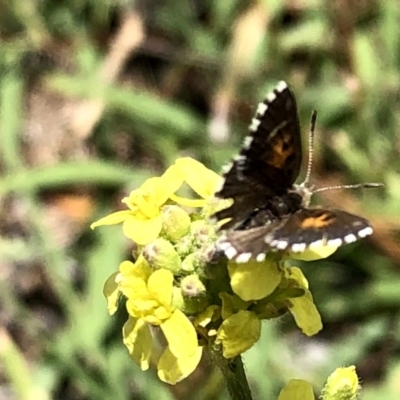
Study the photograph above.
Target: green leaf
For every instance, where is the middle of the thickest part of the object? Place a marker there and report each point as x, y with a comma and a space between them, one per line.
70, 173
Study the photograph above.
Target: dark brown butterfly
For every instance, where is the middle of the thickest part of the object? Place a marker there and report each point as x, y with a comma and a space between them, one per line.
269, 211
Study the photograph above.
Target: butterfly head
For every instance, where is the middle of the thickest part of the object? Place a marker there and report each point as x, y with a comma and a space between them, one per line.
305, 191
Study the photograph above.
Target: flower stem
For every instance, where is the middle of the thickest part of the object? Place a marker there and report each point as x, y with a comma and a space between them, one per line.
235, 377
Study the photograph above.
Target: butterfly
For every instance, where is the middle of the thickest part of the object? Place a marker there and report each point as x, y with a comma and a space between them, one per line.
270, 211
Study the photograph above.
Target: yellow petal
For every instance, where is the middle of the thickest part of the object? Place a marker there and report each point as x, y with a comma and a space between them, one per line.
296, 274
238, 333
165, 185
314, 253
162, 313
170, 182
138, 340
142, 231
160, 286
201, 179
111, 293
133, 287
147, 191
180, 334
112, 219
142, 201
306, 314
183, 201
153, 193
140, 269
215, 204
297, 389
126, 267
172, 370
254, 280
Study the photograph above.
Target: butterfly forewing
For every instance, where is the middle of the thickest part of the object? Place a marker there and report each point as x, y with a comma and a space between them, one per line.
269, 160
273, 157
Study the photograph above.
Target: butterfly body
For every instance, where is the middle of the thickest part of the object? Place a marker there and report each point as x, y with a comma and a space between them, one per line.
269, 211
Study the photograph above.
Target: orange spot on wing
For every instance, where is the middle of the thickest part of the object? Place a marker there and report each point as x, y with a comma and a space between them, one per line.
282, 149
318, 221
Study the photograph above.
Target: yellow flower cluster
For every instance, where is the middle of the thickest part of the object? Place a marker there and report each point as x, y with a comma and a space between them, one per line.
143, 220
181, 297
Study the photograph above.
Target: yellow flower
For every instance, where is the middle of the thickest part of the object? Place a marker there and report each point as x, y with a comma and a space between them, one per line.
127, 281
170, 279
143, 220
297, 389
151, 304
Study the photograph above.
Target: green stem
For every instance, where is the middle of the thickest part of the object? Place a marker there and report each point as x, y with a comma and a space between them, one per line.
235, 377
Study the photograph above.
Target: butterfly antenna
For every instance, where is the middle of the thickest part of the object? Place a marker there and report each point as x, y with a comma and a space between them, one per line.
310, 146
355, 186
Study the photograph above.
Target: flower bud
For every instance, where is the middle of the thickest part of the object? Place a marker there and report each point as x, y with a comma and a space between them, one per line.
202, 233
194, 294
161, 254
176, 223
184, 246
342, 384
192, 286
188, 264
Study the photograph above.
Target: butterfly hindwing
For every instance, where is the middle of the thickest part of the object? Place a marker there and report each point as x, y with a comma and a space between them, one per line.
317, 227
243, 245
296, 232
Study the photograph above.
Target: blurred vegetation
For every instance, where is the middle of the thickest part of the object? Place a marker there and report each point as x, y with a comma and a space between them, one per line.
95, 96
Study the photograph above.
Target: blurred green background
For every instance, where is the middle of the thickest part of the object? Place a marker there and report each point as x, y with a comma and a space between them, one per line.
96, 96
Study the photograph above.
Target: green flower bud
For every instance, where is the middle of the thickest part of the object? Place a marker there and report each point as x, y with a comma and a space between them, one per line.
184, 246
176, 223
194, 294
202, 233
161, 254
188, 263
192, 286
